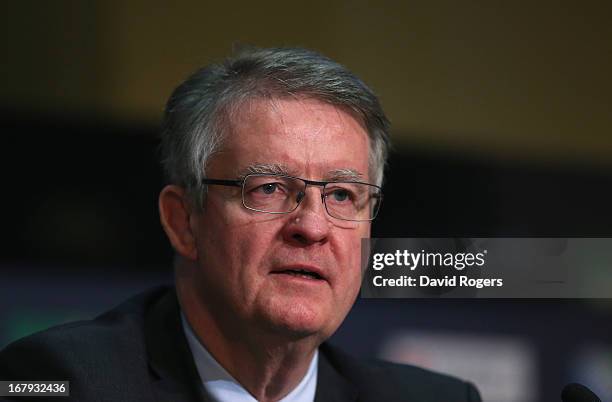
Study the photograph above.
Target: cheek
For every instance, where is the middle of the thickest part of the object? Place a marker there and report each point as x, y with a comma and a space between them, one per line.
351, 250
237, 252
355, 240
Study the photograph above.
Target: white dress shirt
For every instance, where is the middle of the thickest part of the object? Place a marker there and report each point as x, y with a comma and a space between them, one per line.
224, 388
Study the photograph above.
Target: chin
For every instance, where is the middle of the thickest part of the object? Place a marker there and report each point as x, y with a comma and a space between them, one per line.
300, 320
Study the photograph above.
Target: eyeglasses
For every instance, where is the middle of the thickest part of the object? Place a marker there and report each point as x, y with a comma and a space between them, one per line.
282, 194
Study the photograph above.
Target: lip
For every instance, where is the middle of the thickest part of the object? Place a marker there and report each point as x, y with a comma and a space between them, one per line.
302, 267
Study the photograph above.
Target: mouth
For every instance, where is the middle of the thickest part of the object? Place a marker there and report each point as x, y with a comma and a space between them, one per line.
310, 273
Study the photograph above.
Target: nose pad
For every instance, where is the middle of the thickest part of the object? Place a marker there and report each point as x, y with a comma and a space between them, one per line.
313, 226
300, 197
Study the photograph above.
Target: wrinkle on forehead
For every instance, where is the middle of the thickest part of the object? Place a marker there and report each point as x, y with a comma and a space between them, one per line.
309, 103
301, 122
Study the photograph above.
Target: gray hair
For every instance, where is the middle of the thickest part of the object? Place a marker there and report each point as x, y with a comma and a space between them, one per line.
197, 115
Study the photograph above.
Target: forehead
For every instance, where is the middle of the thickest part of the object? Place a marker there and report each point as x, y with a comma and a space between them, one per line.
308, 136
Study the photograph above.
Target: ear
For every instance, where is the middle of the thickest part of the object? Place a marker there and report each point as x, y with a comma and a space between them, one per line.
174, 213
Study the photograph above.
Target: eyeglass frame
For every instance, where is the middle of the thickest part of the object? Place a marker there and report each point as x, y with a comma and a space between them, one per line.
240, 183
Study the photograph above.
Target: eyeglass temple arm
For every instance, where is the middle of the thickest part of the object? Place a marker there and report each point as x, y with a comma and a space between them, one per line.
221, 182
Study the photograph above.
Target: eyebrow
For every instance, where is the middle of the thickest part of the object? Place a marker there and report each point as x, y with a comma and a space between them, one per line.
267, 168
343, 175
276, 168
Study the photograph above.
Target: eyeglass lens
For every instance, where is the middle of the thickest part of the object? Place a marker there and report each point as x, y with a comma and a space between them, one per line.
281, 194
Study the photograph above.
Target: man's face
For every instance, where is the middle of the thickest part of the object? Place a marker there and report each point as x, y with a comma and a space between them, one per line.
244, 256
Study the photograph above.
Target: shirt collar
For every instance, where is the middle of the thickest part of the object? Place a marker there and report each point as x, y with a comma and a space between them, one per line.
224, 388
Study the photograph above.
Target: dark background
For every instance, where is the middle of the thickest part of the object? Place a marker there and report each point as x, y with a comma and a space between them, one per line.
501, 127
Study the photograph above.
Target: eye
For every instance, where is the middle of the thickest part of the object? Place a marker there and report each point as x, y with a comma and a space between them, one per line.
269, 188
340, 195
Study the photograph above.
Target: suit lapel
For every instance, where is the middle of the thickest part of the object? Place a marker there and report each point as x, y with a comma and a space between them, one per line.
170, 359
331, 386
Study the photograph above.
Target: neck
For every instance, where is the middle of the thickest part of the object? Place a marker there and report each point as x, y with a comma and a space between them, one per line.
268, 365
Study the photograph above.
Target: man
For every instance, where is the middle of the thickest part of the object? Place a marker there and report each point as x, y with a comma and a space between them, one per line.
275, 160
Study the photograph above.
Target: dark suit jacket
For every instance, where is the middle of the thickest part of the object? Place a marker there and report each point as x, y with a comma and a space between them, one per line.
138, 352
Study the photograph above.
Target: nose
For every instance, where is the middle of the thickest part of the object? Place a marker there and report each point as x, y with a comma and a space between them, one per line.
309, 223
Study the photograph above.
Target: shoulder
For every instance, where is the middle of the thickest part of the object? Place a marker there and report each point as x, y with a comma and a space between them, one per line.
94, 350
382, 380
